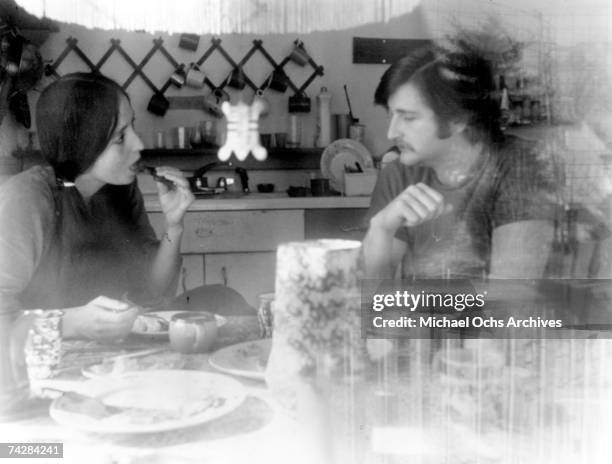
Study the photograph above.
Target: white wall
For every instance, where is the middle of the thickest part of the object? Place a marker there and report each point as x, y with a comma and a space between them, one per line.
332, 50
564, 22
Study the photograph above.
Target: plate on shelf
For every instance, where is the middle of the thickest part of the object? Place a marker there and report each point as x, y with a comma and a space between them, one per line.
248, 359
341, 153
155, 324
148, 402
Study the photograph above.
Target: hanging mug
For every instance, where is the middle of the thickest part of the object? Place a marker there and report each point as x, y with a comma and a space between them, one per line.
213, 106
178, 77
189, 42
236, 79
299, 103
158, 104
299, 55
221, 95
279, 80
195, 78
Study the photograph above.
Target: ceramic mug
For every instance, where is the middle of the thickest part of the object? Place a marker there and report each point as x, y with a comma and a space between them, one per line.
178, 77
189, 42
194, 77
158, 104
237, 79
278, 80
192, 332
299, 55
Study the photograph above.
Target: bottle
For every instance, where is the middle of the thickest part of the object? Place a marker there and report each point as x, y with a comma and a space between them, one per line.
323, 137
295, 131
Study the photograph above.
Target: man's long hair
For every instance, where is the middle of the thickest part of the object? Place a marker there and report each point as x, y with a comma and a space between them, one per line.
457, 85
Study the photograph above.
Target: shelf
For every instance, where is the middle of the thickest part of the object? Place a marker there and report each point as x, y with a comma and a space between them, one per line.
278, 158
190, 159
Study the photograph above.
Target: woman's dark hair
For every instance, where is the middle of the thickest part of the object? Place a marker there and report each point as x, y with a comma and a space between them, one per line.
455, 85
76, 117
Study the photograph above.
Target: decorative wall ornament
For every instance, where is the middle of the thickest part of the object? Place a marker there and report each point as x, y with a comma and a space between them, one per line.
242, 131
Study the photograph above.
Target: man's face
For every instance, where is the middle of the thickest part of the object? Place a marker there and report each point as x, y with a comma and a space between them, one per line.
414, 128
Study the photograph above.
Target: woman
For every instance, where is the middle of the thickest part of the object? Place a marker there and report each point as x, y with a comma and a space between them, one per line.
75, 235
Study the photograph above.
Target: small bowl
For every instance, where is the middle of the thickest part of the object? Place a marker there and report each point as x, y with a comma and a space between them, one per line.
265, 188
297, 191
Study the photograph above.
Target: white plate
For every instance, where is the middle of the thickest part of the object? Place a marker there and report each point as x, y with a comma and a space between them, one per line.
340, 153
246, 359
140, 327
155, 401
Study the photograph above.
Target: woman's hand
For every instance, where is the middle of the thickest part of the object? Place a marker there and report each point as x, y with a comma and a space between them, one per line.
417, 204
102, 319
174, 202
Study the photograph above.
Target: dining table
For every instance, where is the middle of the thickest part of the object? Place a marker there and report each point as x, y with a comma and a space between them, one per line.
402, 408
256, 431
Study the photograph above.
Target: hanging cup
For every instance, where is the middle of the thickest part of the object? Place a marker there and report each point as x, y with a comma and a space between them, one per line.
236, 79
299, 55
178, 77
158, 104
299, 103
221, 95
279, 80
212, 105
189, 42
195, 78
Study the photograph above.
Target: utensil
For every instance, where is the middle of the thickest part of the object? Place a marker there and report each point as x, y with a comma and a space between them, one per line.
348, 101
75, 394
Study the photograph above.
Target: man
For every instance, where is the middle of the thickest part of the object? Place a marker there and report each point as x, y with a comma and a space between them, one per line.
461, 200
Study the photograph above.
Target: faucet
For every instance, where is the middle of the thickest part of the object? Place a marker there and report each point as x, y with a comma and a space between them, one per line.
207, 167
244, 179
198, 181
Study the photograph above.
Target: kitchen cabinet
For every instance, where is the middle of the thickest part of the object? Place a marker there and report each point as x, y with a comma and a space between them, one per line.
234, 242
234, 248
345, 223
248, 273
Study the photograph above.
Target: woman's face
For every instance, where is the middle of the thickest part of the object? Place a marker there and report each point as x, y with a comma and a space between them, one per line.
117, 164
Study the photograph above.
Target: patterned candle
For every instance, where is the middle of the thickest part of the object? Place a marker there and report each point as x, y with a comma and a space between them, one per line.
316, 313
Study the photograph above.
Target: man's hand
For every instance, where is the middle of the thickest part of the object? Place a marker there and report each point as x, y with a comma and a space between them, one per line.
417, 204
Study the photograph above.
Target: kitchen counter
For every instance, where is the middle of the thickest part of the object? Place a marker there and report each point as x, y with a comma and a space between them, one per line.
263, 201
